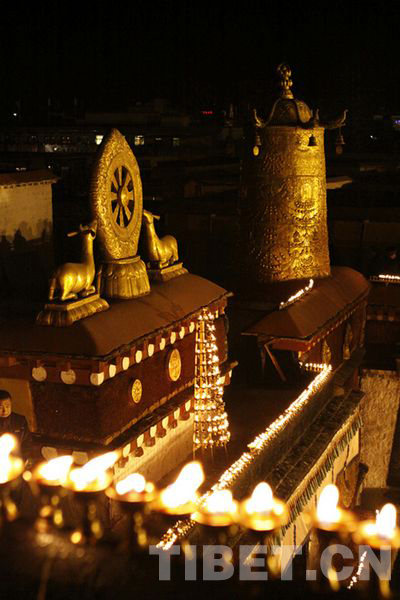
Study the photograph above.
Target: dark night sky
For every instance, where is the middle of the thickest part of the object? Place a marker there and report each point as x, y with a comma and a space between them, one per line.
198, 53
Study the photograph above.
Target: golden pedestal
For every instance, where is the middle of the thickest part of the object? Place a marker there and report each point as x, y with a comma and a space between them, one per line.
167, 273
63, 314
124, 278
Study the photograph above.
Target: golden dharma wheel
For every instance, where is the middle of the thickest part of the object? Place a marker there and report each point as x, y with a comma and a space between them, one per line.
117, 205
117, 198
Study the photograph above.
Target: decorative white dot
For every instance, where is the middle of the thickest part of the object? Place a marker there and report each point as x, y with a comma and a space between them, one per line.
162, 344
153, 430
138, 356
125, 363
165, 422
112, 369
80, 458
96, 378
173, 337
48, 452
191, 327
126, 450
140, 440
39, 373
182, 332
150, 349
68, 377
187, 405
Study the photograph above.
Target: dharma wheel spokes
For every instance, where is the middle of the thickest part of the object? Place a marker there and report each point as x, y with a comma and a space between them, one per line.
122, 196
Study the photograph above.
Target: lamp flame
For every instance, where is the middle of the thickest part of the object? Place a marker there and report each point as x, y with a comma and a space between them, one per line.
10, 466
8, 443
261, 500
183, 490
133, 483
327, 510
386, 521
56, 469
93, 473
220, 502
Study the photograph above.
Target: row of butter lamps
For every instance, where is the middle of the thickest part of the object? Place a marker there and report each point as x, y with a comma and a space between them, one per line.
215, 511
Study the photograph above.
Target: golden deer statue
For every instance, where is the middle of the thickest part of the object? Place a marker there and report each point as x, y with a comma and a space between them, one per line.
72, 279
160, 252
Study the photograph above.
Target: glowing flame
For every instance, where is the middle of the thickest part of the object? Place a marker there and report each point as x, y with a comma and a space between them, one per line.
220, 502
183, 490
8, 443
386, 521
192, 472
261, 500
93, 475
133, 483
327, 510
101, 463
298, 294
56, 469
10, 466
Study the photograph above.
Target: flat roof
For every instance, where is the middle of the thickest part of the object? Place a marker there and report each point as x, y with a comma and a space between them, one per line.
303, 319
27, 178
124, 322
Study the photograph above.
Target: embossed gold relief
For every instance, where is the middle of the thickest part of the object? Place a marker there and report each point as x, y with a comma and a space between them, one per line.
326, 353
347, 343
136, 391
287, 236
174, 364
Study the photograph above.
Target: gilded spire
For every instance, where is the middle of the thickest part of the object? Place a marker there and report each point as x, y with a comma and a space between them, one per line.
285, 72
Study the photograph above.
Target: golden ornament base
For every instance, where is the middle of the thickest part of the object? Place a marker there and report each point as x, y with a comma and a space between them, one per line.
167, 273
63, 314
125, 278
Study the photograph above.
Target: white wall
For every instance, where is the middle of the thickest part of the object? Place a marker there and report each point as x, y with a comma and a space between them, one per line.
27, 208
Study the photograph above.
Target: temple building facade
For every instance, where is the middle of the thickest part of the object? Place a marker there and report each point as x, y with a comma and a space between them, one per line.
122, 378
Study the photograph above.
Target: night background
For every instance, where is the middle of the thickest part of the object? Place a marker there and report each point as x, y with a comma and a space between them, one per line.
198, 54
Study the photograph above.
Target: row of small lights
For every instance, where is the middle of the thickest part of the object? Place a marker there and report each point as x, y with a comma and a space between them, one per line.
297, 295
389, 277
211, 426
314, 367
356, 577
182, 528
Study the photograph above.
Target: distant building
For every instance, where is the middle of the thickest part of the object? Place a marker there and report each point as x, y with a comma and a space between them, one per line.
26, 225
26, 213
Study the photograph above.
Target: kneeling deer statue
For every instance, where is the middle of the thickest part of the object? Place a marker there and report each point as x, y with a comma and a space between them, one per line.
160, 252
72, 279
